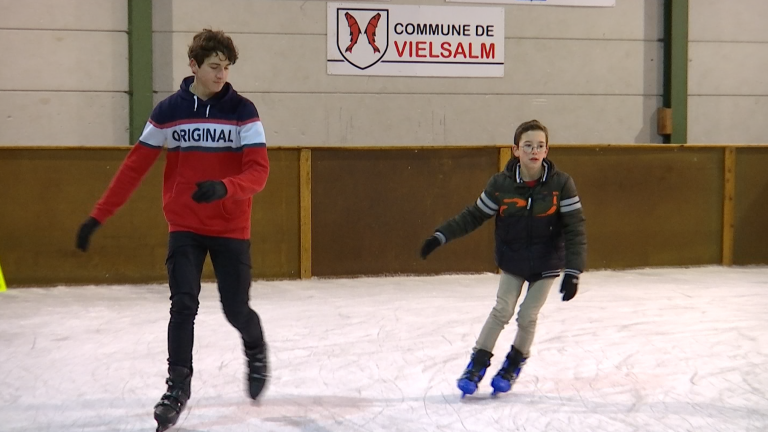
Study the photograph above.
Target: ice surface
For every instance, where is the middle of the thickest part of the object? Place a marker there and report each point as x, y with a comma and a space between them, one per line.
641, 350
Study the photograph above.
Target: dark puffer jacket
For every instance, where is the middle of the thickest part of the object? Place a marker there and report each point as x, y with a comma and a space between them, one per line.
539, 229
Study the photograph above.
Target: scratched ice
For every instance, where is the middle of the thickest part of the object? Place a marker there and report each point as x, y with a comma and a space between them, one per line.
640, 350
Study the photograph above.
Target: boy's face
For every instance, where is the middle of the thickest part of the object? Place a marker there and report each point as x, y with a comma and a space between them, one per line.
532, 148
212, 75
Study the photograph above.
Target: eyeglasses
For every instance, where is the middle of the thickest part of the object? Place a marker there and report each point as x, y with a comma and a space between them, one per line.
528, 148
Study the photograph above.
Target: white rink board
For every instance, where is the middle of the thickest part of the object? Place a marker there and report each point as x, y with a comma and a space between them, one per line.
404, 40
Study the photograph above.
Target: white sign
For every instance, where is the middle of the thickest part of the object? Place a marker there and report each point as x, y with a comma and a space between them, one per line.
403, 40
593, 3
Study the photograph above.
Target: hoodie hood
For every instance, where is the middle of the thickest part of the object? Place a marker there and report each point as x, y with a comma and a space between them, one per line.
226, 92
512, 169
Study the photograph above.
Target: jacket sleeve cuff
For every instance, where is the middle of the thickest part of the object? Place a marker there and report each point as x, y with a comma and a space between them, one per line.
100, 215
440, 236
572, 272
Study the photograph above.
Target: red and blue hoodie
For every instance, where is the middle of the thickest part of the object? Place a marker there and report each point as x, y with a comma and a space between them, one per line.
220, 138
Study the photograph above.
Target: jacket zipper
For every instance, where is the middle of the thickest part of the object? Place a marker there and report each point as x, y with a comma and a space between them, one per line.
529, 239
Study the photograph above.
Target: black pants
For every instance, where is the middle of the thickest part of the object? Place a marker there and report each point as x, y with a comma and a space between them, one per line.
231, 259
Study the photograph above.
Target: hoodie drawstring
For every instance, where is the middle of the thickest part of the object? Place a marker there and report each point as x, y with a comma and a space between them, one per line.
207, 110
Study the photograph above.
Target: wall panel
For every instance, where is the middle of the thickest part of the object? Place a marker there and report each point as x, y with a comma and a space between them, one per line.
654, 207
45, 118
371, 210
750, 233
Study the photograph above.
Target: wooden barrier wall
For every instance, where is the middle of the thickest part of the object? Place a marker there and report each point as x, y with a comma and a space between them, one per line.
45, 194
649, 207
750, 239
350, 212
371, 210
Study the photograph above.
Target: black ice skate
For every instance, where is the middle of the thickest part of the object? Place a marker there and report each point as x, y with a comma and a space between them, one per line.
258, 370
174, 400
505, 378
475, 372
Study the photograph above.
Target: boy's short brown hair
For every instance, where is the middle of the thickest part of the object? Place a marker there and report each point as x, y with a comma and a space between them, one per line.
528, 126
209, 42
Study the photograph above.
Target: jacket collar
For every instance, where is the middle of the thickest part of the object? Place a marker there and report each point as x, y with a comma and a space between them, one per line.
513, 170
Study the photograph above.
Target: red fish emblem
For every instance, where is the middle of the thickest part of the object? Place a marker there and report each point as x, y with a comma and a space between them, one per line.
354, 31
370, 31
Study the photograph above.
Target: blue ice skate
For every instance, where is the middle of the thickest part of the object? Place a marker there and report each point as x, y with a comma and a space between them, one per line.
475, 372
505, 378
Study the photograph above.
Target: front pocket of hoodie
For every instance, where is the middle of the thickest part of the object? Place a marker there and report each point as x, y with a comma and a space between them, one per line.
235, 209
181, 199
183, 212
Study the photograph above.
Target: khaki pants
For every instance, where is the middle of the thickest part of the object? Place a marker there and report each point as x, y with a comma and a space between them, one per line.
510, 288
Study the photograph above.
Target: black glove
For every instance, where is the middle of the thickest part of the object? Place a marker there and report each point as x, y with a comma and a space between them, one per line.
429, 246
85, 232
570, 286
209, 191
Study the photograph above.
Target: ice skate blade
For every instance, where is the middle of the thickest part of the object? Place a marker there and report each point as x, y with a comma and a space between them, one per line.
467, 387
163, 427
500, 385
